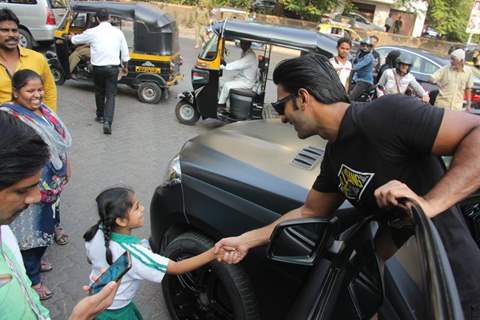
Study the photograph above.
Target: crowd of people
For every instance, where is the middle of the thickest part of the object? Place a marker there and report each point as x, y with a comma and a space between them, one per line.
365, 79
315, 94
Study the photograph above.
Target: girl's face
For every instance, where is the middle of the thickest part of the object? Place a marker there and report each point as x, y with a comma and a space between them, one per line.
135, 217
30, 95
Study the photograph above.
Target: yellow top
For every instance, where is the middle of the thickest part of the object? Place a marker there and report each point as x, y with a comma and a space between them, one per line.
35, 61
452, 85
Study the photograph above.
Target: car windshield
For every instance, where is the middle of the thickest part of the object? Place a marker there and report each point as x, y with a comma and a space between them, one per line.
210, 49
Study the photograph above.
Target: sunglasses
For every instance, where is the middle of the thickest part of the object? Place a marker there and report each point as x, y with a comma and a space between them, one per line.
280, 105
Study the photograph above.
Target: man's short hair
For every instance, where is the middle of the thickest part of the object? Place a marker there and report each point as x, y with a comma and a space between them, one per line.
314, 73
344, 40
23, 153
102, 15
8, 15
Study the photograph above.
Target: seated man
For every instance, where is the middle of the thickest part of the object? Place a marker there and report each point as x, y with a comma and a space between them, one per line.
245, 79
80, 52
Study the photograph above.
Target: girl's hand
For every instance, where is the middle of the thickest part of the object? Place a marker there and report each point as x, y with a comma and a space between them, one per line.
69, 170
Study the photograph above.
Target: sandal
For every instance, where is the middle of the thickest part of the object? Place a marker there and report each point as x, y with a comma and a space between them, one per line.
61, 238
45, 266
43, 292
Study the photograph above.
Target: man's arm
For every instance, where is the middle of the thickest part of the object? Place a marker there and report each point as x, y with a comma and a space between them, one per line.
239, 64
49, 86
437, 76
362, 63
459, 135
84, 37
317, 204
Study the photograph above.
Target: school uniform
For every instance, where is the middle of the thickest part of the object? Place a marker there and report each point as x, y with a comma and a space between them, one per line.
146, 265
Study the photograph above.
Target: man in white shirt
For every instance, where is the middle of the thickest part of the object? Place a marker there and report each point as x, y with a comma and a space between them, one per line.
22, 157
341, 64
107, 46
245, 79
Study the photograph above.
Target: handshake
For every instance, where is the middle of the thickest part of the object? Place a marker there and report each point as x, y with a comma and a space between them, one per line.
230, 250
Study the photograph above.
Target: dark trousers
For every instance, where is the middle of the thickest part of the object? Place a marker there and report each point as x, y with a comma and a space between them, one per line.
31, 260
387, 28
105, 80
358, 88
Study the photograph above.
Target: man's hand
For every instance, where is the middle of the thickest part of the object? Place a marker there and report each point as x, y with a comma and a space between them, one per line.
426, 98
89, 307
469, 106
390, 195
235, 250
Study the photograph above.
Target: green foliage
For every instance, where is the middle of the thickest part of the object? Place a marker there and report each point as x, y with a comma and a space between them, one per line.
308, 9
450, 18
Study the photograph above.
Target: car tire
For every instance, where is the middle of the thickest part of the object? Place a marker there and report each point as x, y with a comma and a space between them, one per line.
215, 291
186, 113
25, 39
149, 92
58, 75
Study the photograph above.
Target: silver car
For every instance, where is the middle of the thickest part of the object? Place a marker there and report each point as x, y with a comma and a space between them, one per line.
38, 19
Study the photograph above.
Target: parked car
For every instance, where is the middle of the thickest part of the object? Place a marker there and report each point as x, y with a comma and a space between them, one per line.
425, 64
356, 20
430, 32
38, 19
245, 175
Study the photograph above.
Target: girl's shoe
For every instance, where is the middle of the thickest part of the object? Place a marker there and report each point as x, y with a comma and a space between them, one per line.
43, 292
61, 238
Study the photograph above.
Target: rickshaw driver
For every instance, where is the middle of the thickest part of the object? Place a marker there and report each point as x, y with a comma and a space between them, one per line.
246, 78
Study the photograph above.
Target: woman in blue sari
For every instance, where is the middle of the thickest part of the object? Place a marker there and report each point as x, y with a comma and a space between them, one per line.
35, 227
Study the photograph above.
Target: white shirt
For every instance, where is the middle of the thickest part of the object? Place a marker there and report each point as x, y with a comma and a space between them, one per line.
146, 265
343, 70
9, 240
107, 44
393, 83
247, 65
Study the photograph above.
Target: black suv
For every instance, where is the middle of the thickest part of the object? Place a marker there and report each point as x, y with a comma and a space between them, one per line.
245, 175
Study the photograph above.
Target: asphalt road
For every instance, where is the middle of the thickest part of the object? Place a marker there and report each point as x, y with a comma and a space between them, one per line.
144, 138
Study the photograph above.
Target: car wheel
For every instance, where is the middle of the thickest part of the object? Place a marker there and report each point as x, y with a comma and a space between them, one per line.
57, 74
215, 291
149, 92
25, 39
186, 113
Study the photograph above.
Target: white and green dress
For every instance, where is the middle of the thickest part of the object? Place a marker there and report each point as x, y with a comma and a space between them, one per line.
146, 265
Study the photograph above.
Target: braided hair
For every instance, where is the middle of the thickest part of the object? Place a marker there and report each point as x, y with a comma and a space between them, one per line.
112, 203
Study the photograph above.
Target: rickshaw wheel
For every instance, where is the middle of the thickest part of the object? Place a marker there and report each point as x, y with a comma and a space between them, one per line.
149, 92
186, 113
58, 75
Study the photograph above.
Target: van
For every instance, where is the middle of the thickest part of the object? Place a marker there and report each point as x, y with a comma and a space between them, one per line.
38, 19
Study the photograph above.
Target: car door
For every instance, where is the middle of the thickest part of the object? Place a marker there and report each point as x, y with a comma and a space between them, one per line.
416, 283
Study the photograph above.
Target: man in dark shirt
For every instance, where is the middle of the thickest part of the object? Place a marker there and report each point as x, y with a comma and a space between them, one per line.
378, 153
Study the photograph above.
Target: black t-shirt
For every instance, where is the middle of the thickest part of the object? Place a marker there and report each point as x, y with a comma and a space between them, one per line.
389, 138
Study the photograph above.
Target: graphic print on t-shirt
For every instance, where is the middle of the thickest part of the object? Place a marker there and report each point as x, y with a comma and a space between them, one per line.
352, 182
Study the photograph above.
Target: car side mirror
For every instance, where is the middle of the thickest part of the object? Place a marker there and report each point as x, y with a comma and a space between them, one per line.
300, 241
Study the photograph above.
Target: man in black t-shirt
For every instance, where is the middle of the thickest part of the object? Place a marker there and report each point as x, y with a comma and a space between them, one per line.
378, 153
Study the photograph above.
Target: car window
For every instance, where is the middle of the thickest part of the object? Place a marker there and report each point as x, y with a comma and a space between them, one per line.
210, 49
428, 67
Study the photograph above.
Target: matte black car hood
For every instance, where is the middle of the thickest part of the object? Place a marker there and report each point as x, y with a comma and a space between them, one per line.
252, 154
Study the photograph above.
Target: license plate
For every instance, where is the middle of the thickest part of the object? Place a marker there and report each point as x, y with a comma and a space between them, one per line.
148, 69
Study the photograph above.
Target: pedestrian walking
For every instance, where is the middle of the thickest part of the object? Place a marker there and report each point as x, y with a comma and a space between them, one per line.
201, 21
388, 23
455, 82
109, 52
119, 214
397, 25
35, 227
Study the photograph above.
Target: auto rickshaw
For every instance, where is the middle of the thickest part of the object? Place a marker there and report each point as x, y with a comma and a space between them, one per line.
152, 38
245, 104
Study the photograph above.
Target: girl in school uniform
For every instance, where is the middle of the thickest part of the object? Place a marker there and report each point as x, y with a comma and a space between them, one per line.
120, 212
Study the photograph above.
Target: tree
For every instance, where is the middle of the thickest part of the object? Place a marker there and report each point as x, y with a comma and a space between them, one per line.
450, 17
308, 9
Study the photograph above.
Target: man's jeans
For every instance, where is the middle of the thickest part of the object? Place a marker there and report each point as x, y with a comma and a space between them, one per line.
105, 80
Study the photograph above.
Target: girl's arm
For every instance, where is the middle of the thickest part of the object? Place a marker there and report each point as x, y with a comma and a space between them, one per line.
190, 264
